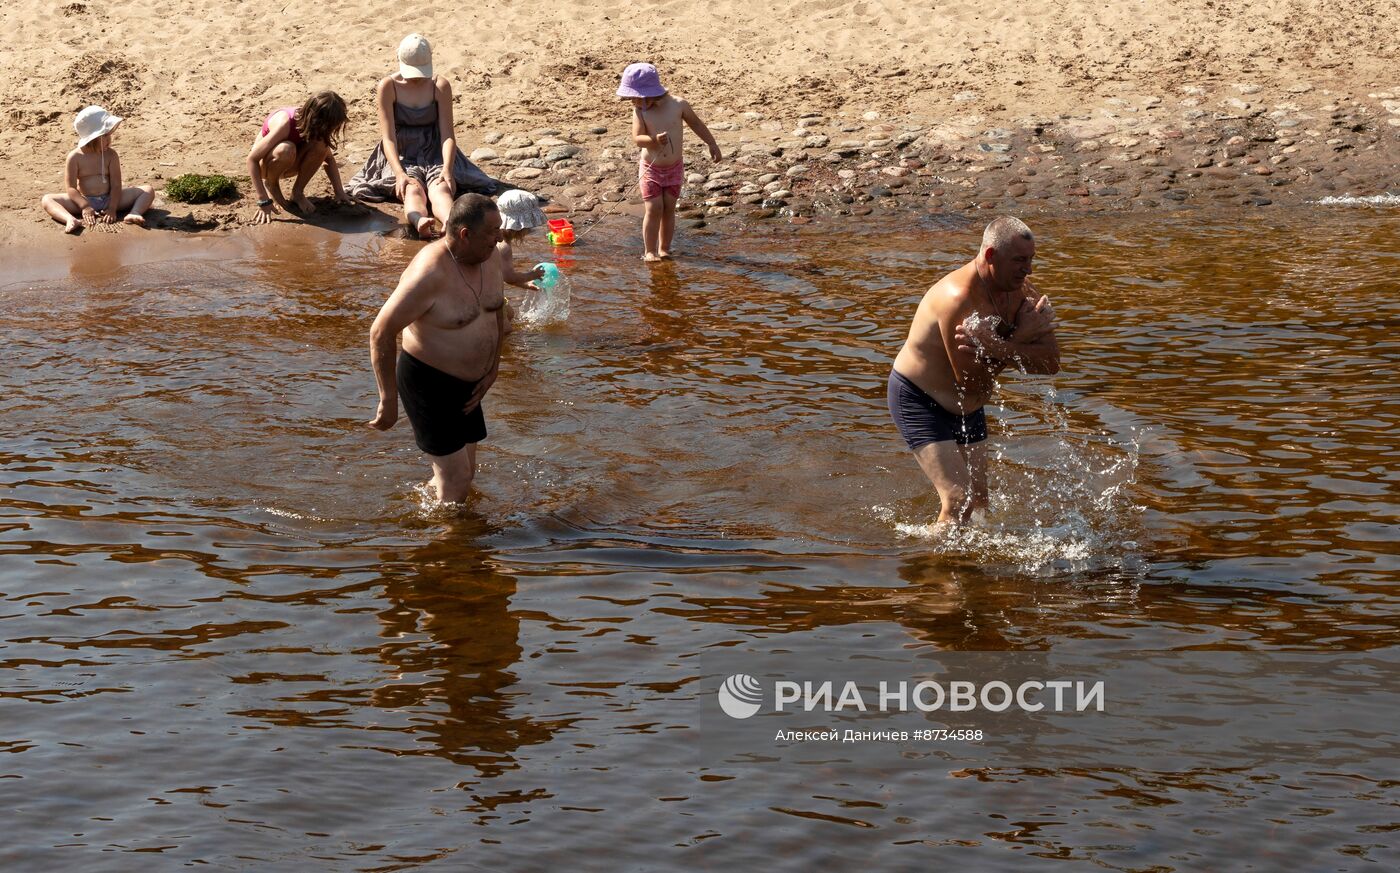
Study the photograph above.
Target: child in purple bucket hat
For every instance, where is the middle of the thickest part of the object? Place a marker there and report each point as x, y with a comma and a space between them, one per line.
657, 119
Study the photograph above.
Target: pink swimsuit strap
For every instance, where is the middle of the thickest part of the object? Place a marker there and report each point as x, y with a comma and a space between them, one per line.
295, 135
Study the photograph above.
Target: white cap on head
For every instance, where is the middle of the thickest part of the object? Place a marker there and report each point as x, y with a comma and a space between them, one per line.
415, 57
92, 122
520, 210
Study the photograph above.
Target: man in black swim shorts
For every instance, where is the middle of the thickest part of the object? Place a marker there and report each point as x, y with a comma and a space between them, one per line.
450, 307
969, 326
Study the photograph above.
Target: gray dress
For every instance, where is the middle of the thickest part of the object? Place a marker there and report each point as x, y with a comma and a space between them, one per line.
420, 153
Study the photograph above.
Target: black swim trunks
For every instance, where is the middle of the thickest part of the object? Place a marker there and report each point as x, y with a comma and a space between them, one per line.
433, 401
921, 420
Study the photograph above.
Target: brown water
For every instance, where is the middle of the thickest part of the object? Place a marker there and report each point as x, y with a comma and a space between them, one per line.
232, 634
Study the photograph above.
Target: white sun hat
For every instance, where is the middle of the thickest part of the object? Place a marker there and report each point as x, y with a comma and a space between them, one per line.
92, 122
415, 57
520, 210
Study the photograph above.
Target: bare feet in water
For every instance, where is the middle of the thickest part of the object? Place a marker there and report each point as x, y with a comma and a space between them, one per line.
427, 228
303, 204
138, 220
651, 257
72, 225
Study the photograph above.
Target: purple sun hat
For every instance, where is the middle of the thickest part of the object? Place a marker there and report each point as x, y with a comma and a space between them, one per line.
640, 80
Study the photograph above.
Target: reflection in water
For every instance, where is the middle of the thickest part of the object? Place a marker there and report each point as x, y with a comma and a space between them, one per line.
230, 637
451, 640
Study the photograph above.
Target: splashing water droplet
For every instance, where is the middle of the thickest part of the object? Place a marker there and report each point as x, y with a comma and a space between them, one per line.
548, 303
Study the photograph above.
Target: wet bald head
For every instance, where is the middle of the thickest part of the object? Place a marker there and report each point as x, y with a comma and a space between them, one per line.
1003, 231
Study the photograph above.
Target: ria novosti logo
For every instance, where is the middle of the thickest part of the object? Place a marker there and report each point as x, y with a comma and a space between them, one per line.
740, 696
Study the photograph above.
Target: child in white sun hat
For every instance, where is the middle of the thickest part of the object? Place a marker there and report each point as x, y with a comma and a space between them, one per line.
92, 177
520, 213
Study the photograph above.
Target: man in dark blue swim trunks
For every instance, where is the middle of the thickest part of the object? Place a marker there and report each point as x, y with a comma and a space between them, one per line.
971, 325
450, 307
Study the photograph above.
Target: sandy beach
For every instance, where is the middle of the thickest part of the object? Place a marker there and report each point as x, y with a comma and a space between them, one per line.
826, 106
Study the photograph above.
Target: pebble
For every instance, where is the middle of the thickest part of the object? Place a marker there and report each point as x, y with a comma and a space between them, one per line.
846, 174
524, 173
598, 130
492, 138
816, 142
695, 178
516, 141
519, 154
483, 155
561, 153
872, 115
749, 189
797, 170
895, 171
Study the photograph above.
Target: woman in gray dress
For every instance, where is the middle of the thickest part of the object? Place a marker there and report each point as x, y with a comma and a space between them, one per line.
417, 142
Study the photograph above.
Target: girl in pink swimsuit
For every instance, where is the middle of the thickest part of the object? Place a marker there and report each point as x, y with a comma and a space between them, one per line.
297, 141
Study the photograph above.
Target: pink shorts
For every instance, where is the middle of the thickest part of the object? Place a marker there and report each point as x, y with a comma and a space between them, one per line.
655, 181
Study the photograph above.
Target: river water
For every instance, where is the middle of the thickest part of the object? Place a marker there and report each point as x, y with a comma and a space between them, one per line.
234, 633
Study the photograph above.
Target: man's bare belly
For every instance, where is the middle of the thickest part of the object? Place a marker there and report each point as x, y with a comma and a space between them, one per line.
938, 383
465, 352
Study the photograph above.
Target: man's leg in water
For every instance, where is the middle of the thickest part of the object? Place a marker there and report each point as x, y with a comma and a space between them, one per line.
975, 457
453, 474
949, 467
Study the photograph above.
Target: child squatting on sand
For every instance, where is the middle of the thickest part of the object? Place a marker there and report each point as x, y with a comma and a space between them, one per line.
297, 142
656, 129
92, 177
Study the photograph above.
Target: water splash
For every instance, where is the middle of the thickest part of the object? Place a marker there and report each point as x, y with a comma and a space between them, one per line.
1062, 499
545, 306
1349, 200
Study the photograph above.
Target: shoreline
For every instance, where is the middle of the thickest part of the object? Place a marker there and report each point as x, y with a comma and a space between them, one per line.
1238, 146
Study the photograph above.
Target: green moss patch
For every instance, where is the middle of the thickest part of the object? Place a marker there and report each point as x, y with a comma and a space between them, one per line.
194, 188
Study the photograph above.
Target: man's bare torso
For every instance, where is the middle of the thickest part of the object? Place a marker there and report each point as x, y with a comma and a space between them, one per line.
460, 332
926, 358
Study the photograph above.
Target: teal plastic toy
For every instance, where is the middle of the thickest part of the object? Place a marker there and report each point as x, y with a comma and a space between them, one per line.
550, 277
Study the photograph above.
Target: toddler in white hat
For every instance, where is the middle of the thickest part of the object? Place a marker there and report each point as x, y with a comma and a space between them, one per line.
520, 213
92, 177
